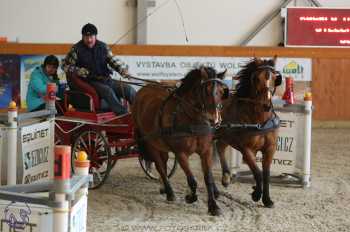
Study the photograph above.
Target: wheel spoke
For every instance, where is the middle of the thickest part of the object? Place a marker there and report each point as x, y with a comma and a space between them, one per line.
92, 142
89, 139
84, 144
99, 139
101, 159
96, 176
96, 145
99, 148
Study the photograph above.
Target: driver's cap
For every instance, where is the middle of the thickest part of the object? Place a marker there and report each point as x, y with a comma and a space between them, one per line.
89, 29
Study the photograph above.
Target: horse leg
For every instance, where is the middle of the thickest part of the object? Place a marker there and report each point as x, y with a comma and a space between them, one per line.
191, 181
206, 160
226, 174
216, 191
164, 157
161, 168
249, 158
266, 163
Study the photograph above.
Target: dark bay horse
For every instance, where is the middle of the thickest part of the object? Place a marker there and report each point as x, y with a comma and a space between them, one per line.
181, 121
251, 107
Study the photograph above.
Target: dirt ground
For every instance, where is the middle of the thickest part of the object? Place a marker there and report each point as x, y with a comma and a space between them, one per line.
131, 202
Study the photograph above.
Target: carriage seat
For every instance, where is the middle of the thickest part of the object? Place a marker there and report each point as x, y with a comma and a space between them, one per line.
82, 96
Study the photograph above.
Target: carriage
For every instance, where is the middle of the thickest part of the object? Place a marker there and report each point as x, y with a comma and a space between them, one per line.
104, 136
188, 121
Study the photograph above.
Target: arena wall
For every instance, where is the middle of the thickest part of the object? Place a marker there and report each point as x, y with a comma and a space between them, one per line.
330, 67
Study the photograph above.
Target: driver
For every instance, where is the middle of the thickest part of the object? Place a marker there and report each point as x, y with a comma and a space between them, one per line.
91, 59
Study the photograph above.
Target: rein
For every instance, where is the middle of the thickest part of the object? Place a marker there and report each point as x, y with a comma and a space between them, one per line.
146, 81
122, 82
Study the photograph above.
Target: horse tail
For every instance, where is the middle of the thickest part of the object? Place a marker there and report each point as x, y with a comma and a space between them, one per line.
141, 144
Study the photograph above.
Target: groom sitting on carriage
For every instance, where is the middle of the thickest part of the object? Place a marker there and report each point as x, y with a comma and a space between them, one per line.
88, 64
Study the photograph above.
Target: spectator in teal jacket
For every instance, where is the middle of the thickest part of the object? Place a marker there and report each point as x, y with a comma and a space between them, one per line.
40, 77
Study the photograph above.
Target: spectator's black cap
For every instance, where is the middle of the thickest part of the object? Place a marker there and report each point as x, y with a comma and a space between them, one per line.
89, 29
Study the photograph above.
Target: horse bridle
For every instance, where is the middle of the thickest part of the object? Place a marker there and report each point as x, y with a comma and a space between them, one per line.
203, 106
204, 93
271, 70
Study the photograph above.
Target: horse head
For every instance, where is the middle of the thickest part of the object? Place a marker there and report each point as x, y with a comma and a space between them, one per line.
258, 79
205, 88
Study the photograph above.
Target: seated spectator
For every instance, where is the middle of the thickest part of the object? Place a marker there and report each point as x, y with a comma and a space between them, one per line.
40, 77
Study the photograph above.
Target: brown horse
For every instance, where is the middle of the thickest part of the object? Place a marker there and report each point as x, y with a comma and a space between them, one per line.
181, 121
250, 123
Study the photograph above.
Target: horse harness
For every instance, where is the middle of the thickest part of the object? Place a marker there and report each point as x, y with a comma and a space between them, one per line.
200, 129
178, 130
188, 130
206, 128
257, 128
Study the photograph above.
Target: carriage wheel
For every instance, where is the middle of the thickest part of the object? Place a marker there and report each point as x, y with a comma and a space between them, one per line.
150, 169
99, 153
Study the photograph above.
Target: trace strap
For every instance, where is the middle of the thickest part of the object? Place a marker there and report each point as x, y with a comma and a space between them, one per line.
270, 124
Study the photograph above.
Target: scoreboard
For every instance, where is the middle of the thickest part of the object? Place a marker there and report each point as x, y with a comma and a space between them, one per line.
321, 27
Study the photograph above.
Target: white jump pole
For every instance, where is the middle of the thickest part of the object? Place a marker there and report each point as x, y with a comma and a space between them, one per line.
82, 165
50, 105
81, 169
60, 218
12, 144
307, 148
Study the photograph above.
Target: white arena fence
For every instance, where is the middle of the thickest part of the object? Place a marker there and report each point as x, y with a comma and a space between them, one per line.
35, 198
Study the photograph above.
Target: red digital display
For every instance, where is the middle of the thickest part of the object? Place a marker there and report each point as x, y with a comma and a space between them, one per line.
318, 27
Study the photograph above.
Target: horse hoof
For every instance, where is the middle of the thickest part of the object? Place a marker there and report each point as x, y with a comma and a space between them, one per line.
268, 203
170, 197
191, 198
226, 180
216, 194
215, 211
162, 191
256, 194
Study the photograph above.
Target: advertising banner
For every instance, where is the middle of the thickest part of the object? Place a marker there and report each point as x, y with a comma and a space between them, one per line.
25, 217
35, 145
9, 80
175, 67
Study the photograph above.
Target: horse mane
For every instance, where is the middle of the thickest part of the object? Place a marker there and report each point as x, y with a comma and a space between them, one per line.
193, 77
245, 76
